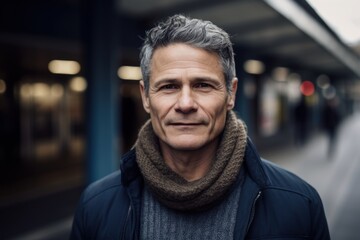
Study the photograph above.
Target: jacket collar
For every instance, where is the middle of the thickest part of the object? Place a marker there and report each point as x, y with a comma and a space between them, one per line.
130, 178
129, 168
254, 182
254, 165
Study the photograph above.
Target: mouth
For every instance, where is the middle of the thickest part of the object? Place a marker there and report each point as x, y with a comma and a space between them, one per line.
185, 124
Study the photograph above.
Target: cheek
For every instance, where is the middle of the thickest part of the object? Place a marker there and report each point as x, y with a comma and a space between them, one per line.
158, 111
217, 104
217, 111
162, 105
221, 118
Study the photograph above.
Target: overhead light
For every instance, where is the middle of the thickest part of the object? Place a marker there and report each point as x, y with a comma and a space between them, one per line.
129, 73
26, 90
254, 67
294, 77
249, 88
57, 90
2, 86
64, 67
41, 90
329, 92
78, 84
280, 74
293, 87
323, 81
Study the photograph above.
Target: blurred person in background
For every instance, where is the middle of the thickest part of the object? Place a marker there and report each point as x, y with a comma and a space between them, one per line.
301, 117
193, 172
331, 120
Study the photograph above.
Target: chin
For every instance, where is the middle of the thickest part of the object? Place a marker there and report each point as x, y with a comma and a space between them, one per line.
186, 148
187, 145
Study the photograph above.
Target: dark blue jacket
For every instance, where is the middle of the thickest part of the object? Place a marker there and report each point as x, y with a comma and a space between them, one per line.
274, 204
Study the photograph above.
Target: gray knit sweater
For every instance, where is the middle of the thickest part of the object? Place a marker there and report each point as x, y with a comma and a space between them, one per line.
160, 222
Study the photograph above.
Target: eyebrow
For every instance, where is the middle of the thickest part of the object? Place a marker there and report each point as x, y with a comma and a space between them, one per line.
165, 81
218, 83
207, 79
195, 79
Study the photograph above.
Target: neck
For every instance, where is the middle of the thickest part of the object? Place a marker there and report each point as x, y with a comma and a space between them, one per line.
192, 165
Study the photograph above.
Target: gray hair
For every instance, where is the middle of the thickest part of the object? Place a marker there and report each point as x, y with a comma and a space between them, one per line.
194, 32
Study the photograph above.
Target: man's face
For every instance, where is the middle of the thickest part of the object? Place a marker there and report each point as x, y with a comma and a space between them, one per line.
187, 98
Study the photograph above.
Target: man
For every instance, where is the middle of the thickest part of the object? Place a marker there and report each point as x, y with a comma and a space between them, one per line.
193, 172
331, 119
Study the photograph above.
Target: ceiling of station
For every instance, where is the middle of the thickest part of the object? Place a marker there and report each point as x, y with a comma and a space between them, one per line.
256, 27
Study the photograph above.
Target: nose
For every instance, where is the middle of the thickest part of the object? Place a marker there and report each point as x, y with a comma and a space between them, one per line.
186, 102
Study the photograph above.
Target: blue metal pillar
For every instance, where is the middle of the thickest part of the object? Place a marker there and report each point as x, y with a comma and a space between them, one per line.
241, 103
101, 54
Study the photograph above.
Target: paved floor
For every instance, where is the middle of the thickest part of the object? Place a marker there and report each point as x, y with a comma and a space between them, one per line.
43, 218
336, 178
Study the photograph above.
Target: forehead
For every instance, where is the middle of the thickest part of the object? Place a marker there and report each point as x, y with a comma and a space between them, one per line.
182, 49
185, 57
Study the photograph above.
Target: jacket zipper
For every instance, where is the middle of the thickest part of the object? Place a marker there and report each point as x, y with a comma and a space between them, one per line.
126, 220
252, 215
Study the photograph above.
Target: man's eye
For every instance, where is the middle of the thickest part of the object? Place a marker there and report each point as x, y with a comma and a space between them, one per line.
168, 87
202, 85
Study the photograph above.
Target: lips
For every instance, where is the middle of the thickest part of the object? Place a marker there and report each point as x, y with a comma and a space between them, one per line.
185, 124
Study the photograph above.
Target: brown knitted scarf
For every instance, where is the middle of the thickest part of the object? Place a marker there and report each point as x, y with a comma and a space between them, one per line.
173, 190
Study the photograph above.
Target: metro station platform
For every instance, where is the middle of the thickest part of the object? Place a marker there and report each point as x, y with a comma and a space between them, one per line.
336, 178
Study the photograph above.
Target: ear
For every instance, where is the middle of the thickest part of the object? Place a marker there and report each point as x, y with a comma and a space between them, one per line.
144, 97
232, 95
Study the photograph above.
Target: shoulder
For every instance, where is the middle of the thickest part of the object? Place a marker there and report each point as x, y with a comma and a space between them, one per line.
104, 187
113, 183
294, 204
101, 209
104, 204
268, 175
282, 180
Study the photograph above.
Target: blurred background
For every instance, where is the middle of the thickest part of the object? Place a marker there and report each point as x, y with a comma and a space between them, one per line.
70, 105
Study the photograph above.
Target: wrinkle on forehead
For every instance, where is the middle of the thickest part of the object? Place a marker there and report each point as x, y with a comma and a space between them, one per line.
176, 57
